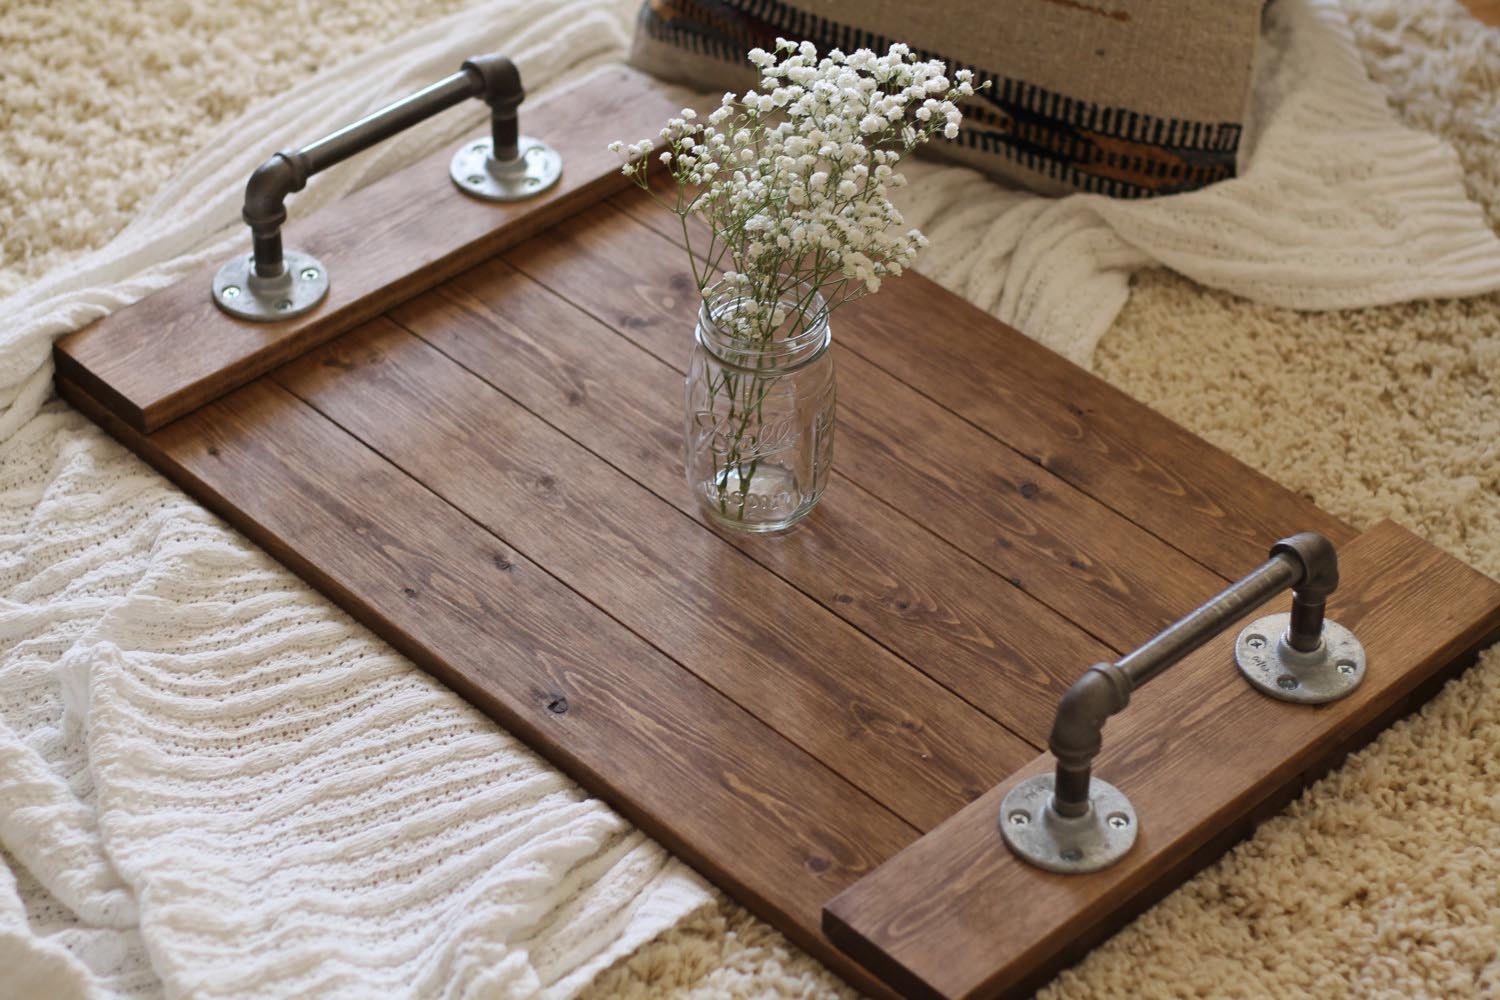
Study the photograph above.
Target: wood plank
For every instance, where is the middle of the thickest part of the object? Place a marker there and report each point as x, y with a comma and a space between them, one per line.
1198, 752
175, 350
715, 786
872, 718
1070, 552
1084, 431
997, 648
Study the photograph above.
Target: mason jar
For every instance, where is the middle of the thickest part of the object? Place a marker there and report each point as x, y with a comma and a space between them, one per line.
760, 407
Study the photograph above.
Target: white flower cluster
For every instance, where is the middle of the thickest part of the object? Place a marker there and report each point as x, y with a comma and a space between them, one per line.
793, 179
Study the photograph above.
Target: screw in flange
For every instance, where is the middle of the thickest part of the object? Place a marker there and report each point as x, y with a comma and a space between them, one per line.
1019, 818
1256, 642
283, 305
1345, 667
231, 291
1286, 682
309, 274
1118, 821
1071, 854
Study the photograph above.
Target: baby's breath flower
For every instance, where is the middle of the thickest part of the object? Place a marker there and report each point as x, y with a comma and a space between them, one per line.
793, 177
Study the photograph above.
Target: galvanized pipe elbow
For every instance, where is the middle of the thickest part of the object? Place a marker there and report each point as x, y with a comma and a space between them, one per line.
500, 81
1319, 559
500, 86
265, 208
1078, 728
1320, 578
267, 190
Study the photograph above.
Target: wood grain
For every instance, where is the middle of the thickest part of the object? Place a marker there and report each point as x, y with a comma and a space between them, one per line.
1084, 431
1000, 650
175, 350
1070, 552
1198, 752
868, 715
764, 820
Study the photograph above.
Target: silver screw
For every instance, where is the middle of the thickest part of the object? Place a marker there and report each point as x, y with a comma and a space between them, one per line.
283, 305
1286, 682
1118, 821
1072, 854
309, 274
1256, 642
1019, 818
474, 179
532, 182
231, 291
480, 147
1346, 668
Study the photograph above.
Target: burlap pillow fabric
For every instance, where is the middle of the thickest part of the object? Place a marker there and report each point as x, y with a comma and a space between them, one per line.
1129, 98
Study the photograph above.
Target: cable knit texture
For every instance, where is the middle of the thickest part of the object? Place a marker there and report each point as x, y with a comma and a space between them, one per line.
212, 783
253, 793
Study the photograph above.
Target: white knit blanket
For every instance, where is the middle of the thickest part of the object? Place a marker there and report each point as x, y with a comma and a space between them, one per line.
212, 783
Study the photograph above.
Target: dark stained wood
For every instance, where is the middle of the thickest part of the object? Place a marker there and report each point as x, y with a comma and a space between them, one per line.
1003, 652
868, 715
175, 350
766, 821
956, 915
1070, 552
1087, 433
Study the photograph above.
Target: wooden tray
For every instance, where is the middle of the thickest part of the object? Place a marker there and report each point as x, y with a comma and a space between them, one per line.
473, 447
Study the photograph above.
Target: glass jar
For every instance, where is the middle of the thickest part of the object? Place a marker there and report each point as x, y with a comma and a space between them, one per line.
760, 407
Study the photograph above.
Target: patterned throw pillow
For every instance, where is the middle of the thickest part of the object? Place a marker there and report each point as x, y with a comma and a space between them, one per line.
1130, 98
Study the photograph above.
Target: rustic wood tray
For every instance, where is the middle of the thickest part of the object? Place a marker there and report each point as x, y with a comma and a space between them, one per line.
473, 447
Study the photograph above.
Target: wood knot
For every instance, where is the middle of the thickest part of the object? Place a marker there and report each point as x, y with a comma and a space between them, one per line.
558, 705
1030, 490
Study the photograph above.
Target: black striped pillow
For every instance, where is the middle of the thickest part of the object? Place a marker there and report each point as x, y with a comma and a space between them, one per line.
1130, 98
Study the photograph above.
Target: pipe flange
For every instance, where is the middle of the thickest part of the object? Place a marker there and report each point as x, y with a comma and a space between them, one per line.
301, 286
1274, 668
478, 173
1063, 844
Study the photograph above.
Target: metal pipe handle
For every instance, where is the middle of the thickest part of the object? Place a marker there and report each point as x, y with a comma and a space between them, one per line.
1072, 822
275, 284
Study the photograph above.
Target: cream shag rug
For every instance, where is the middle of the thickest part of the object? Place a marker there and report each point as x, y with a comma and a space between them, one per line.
1384, 879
